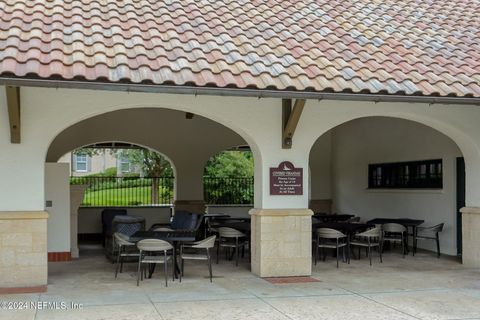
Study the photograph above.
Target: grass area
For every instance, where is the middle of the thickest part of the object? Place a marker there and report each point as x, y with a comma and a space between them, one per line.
124, 197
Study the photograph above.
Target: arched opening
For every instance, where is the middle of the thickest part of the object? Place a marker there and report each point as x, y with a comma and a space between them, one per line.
386, 167
185, 140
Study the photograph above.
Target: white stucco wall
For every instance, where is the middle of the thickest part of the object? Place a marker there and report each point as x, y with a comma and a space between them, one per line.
378, 140
47, 112
321, 168
57, 190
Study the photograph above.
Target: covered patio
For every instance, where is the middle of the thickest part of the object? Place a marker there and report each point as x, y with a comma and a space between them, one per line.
361, 108
420, 287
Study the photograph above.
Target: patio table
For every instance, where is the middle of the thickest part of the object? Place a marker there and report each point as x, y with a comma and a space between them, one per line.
333, 217
348, 228
174, 236
243, 226
406, 222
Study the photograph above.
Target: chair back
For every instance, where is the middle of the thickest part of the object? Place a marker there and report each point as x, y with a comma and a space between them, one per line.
394, 227
354, 220
184, 220
436, 228
431, 230
128, 225
372, 233
107, 219
225, 232
122, 239
154, 245
205, 243
327, 233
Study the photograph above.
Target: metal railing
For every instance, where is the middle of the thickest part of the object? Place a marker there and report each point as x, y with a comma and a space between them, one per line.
228, 190
152, 191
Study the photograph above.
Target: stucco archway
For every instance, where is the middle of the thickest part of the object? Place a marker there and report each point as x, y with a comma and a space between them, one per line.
340, 160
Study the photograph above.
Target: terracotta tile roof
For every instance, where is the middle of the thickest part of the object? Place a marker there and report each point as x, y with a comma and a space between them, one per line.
413, 47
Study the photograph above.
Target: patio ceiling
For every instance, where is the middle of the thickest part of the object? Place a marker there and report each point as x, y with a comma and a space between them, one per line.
406, 47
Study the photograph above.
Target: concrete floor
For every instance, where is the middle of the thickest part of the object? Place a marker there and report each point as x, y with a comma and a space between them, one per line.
420, 287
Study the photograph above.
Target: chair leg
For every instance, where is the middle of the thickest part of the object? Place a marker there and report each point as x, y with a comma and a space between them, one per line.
138, 269
236, 256
348, 252
181, 268
403, 248
438, 246
370, 255
166, 268
218, 250
173, 270
337, 255
316, 254
210, 268
118, 261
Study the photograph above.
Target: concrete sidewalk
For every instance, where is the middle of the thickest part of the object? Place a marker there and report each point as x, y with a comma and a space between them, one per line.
420, 287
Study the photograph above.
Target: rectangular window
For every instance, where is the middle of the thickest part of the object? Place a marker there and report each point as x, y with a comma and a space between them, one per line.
125, 166
425, 174
81, 163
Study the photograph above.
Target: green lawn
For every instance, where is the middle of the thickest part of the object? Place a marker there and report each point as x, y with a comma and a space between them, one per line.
123, 197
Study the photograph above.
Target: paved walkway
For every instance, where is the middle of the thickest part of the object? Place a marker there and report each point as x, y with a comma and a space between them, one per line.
420, 287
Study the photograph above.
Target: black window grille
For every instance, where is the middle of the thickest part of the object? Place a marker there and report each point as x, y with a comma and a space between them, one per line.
426, 174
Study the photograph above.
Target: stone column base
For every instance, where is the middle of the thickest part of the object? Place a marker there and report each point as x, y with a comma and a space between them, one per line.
281, 241
194, 206
23, 251
471, 236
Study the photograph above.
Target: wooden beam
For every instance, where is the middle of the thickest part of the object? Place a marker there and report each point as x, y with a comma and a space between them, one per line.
292, 122
286, 111
13, 105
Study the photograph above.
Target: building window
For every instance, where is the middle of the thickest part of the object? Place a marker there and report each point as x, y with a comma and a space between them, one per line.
425, 174
125, 166
81, 163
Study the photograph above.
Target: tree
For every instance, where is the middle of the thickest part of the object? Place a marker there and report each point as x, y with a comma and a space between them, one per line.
152, 164
230, 164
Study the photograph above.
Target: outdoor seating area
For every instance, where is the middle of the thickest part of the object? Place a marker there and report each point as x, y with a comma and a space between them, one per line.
345, 236
346, 232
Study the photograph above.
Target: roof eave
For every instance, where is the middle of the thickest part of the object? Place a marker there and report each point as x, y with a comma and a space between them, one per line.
236, 92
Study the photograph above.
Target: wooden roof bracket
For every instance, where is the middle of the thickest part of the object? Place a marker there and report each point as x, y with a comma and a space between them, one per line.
290, 118
13, 105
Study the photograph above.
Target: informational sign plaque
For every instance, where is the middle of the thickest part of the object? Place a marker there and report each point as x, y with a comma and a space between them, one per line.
286, 180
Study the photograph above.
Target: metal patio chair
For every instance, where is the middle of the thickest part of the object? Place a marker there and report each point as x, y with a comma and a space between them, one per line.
148, 248
124, 248
394, 232
331, 239
231, 239
429, 233
205, 244
369, 239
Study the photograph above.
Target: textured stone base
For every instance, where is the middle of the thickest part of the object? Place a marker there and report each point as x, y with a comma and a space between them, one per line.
281, 242
23, 249
471, 236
